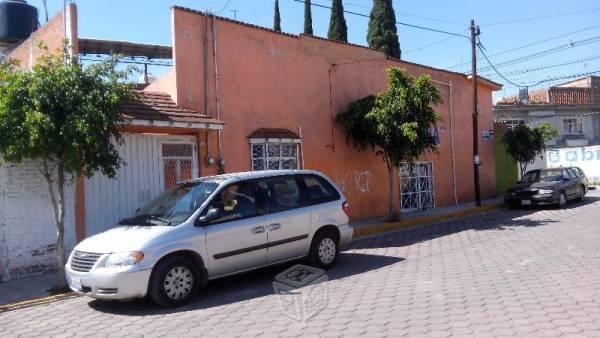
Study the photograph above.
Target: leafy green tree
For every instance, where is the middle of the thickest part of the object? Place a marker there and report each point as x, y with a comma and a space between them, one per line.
524, 143
383, 34
338, 30
396, 123
277, 18
66, 117
308, 30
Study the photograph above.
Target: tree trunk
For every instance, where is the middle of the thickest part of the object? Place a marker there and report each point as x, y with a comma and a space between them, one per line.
393, 215
58, 209
523, 168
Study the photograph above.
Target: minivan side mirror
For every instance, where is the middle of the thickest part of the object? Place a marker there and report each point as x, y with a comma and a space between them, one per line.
211, 214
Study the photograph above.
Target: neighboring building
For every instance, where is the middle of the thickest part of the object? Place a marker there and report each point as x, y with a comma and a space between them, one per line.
242, 97
572, 107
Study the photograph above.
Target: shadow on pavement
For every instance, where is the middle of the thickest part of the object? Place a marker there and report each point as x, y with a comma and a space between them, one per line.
254, 284
495, 221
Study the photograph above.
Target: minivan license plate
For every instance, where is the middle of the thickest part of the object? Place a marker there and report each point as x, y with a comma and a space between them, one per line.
75, 283
526, 202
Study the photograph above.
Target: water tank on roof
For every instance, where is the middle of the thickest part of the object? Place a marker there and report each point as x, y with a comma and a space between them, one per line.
18, 20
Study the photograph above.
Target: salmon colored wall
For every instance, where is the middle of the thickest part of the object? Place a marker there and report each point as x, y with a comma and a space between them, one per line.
270, 80
165, 84
52, 35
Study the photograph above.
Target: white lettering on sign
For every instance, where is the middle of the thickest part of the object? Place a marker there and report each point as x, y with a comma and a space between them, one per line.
586, 158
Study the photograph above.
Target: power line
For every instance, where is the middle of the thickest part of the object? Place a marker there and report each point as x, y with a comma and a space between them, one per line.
545, 52
558, 78
408, 14
429, 45
494, 68
534, 43
397, 22
531, 70
542, 17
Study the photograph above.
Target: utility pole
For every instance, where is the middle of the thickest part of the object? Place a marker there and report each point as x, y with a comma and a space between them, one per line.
234, 13
476, 160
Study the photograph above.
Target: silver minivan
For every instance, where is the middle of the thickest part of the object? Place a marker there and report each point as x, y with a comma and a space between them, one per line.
209, 228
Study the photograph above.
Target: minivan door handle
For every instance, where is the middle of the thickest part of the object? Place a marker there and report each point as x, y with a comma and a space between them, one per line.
258, 230
274, 226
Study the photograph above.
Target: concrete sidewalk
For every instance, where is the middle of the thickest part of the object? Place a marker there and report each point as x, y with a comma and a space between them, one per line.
35, 287
378, 225
25, 288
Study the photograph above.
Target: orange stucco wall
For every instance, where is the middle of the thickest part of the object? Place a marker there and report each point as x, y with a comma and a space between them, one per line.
270, 80
52, 35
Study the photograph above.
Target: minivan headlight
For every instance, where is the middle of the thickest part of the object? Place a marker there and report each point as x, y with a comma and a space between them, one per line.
545, 192
118, 259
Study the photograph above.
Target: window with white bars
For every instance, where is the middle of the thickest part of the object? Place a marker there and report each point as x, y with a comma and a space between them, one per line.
416, 186
572, 126
274, 155
513, 123
178, 161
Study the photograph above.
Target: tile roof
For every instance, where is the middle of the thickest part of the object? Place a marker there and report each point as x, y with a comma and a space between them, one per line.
156, 106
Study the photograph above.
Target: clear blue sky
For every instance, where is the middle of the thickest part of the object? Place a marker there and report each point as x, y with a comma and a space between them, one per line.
149, 21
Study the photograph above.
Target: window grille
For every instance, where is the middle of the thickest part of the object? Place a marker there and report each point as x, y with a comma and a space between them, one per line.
274, 156
177, 162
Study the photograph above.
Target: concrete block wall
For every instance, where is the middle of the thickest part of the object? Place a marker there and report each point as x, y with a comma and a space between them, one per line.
27, 230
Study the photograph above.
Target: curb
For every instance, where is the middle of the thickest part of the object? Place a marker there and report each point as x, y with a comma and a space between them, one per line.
37, 301
423, 220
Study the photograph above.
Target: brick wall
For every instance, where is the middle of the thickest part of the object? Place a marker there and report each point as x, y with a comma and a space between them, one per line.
27, 231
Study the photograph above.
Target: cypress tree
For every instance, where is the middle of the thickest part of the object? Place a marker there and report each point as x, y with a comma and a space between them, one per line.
337, 24
307, 18
277, 18
383, 34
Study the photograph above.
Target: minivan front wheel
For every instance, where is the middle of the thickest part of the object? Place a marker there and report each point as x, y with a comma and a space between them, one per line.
174, 281
323, 250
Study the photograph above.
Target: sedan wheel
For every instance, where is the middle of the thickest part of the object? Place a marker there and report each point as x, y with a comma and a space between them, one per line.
562, 200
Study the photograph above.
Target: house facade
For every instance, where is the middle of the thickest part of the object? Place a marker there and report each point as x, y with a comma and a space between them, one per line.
241, 97
572, 107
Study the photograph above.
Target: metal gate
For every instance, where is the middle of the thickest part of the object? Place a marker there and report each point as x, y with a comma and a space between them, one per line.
153, 163
416, 186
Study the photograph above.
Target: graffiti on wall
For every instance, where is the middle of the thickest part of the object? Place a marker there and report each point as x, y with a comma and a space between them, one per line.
362, 180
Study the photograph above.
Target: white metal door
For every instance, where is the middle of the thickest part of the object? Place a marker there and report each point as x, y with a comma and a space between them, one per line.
138, 181
416, 186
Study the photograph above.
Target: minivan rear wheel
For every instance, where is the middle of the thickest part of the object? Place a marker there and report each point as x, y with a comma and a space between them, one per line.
174, 281
323, 250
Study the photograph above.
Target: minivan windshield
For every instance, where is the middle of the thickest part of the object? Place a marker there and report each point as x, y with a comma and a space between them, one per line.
543, 176
174, 206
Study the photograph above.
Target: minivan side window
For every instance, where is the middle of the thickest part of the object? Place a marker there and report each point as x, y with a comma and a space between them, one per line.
234, 202
279, 193
319, 190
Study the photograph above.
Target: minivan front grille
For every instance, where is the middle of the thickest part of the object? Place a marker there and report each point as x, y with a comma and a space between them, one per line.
84, 261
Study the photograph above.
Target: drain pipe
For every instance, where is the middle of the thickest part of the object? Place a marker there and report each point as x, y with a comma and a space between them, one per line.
217, 92
449, 85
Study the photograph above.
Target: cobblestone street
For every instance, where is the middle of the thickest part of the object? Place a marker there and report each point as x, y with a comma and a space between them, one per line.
504, 273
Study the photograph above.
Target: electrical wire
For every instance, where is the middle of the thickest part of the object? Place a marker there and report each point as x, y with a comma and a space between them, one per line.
546, 52
535, 43
408, 14
531, 70
397, 22
437, 42
542, 17
494, 68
